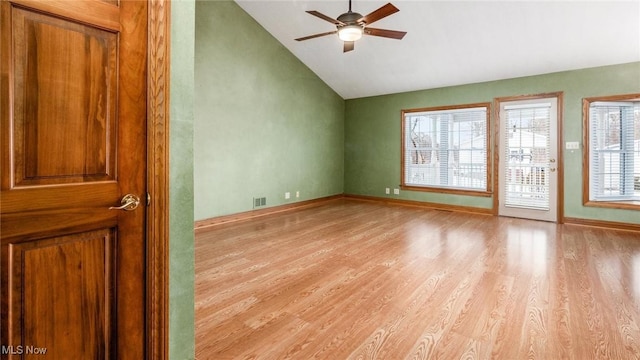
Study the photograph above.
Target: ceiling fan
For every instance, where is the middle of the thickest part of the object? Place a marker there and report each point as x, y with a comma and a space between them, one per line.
350, 26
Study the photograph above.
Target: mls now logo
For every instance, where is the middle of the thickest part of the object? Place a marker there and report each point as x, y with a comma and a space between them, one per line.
22, 350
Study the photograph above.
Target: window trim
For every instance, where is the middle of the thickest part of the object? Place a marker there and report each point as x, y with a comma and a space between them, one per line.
586, 166
487, 192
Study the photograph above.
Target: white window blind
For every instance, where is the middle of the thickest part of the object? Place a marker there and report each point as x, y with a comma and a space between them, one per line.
527, 152
614, 151
446, 148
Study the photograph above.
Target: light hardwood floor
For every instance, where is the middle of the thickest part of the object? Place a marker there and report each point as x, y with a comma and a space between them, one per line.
360, 280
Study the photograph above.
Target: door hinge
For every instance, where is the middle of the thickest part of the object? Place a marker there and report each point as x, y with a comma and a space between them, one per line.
148, 199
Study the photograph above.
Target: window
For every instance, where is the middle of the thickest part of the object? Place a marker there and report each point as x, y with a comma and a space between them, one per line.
445, 149
612, 151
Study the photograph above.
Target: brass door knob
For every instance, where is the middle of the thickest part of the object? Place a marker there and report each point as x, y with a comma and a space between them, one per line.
129, 202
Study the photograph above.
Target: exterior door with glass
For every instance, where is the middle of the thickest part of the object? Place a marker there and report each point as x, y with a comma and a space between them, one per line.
528, 158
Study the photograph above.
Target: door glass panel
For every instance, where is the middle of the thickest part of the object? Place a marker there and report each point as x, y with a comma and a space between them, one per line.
527, 156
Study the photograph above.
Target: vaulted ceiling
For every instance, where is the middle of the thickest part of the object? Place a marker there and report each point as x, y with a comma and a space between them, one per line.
454, 42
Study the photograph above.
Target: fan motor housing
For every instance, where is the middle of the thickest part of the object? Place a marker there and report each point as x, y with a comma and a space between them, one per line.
350, 18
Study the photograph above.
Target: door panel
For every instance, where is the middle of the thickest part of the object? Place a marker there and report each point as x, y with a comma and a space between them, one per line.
57, 139
73, 139
528, 154
68, 281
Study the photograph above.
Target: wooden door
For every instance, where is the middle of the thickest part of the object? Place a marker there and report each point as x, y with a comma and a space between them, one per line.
73, 139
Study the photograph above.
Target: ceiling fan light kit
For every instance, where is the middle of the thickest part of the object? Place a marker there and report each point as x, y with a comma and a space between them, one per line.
350, 26
350, 32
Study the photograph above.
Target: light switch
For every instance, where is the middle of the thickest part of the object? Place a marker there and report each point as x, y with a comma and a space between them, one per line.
572, 145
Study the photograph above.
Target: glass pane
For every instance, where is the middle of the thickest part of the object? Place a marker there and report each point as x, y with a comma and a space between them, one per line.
446, 149
614, 146
527, 151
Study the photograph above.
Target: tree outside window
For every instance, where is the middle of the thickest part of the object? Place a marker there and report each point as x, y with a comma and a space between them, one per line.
445, 149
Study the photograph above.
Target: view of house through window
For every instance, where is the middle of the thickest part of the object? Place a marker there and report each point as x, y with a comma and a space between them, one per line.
446, 148
526, 155
613, 148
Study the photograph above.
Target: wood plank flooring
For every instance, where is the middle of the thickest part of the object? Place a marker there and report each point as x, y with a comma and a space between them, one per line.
360, 280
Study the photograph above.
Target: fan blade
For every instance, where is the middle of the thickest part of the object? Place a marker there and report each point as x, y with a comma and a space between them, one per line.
325, 17
316, 35
382, 12
393, 34
348, 45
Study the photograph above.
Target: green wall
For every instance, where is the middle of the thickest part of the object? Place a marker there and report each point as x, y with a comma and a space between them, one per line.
372, 132
181, 237
264, 123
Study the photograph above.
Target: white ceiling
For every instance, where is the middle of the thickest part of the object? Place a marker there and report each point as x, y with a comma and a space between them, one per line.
454, 42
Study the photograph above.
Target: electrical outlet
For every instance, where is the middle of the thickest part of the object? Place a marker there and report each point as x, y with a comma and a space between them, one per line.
287, 195
396, 191
297, 194
387, 191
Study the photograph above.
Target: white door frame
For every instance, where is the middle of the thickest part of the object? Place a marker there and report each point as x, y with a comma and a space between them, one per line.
557, 215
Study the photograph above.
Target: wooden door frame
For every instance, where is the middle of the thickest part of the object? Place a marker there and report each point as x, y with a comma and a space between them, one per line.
559, 95
157, 317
